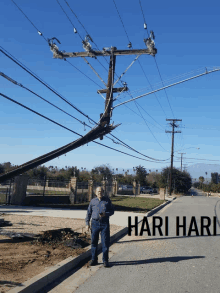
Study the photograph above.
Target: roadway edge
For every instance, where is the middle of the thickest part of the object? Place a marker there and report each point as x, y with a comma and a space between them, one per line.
42, 280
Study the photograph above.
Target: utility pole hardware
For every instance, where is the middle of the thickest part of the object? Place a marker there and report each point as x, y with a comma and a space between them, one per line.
112, 53
103, 127
173, 125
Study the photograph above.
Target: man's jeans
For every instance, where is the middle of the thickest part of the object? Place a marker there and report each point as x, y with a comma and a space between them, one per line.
103, 227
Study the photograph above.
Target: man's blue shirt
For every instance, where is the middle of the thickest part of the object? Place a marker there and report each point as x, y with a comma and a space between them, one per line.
96, 207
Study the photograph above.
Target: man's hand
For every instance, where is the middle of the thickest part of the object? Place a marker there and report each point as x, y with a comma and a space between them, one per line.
87, 228
102, 215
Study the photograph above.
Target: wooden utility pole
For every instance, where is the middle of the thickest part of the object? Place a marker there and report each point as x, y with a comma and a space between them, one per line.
182, 161
173, 125
112, 53
103, 126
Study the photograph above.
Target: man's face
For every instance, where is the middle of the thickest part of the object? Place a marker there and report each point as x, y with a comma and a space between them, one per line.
99, 193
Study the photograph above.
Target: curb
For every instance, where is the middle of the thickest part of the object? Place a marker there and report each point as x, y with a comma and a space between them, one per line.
42, 280
155, 210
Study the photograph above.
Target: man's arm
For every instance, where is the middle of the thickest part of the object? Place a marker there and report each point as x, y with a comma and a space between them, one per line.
110, 210
89, 214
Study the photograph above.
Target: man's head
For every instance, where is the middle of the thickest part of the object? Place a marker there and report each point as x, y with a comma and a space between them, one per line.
99, 192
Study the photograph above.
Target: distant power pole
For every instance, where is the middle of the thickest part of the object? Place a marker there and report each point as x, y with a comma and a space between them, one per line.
182, 160
173, 125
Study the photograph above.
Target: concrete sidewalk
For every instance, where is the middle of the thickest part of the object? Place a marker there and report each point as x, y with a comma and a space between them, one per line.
119, 218
38, 283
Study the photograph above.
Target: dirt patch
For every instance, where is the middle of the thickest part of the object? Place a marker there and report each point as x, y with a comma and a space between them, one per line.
23, 257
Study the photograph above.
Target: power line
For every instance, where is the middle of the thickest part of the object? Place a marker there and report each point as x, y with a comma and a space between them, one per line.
130, 46
47, 40
16, 83
141, 116
37, 113
163, 85
45, 84
145, 24
69, 18
82, 41
39, 32
41, 115
87, 34
83, 73
151, 87
121, 22
157, 90
149, 127
22, 86
42, 82
156, 60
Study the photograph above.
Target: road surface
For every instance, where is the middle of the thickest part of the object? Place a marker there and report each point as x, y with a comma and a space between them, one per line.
157, 263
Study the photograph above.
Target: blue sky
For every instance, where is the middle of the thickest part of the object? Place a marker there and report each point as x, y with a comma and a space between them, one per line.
187, 39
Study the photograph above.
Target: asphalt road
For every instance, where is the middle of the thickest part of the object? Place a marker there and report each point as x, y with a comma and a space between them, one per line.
169, 264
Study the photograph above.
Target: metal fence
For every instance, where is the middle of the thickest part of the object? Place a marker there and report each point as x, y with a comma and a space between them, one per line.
47, 187
82, 192
51, 191
6, 189
108, 188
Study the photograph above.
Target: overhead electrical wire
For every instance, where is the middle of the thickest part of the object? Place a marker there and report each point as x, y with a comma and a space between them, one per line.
156, 85
69, 18
39, 32
96, 45
130, 46
156, 60
82, 41
37, 113
24, 87
163, 85
41, 81
59, 95
148, 126
157, 90
45, 39
82, 73
87, 34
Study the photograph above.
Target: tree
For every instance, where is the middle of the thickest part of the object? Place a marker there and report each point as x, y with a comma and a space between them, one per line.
182, 181
141, 175
102, 172
214, 177
201, 179
38, 172
2, 169
153, 179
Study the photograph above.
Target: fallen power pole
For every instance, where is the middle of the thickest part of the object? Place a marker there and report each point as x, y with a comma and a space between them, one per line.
173, 125
90, 136
103, 126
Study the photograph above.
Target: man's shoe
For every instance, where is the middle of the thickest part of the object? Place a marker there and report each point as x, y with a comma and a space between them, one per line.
93, 263
106, 264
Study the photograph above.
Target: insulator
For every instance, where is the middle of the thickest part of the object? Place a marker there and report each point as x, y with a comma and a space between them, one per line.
152, 35
39, 33
145, 26
75, 31
129, 45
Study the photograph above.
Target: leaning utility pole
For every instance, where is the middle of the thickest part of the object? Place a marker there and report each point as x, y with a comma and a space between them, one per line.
112, 53
173, 125
103, 127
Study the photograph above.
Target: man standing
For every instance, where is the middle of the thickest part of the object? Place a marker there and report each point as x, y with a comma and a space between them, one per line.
99, 210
